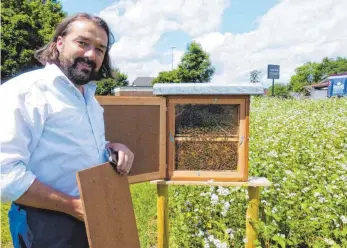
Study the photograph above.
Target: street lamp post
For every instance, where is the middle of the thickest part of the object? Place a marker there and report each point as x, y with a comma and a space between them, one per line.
172, 56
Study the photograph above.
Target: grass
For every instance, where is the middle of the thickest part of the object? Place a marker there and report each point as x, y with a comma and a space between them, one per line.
6, 241
144, 198
144, 201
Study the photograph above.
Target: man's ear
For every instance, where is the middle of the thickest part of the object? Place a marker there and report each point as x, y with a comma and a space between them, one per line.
60, 42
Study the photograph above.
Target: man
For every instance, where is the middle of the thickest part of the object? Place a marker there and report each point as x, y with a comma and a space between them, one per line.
51, 127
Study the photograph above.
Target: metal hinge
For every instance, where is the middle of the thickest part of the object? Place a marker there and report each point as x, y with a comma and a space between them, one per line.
241, 140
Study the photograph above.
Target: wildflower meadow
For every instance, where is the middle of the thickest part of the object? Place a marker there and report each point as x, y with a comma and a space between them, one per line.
301, 147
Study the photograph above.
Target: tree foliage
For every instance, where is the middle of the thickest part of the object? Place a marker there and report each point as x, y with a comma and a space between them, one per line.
167, 77
318, 72
195, 67
106, 86
280, 90
25, 26
254, 76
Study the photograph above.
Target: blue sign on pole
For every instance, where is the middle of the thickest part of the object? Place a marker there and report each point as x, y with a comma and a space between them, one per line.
273, 71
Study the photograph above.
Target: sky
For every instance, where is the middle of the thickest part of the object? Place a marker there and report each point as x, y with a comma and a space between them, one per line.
239, 35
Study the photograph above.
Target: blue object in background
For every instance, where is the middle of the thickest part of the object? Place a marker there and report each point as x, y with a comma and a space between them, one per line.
337, 86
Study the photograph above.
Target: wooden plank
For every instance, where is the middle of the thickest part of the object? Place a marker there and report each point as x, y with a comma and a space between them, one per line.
109, 214
246, 141
162, 139
163, 215
180, 97
252, 182
145, 177
128, 100
203, 138
252, 216
241, 167
214, 100
170, 144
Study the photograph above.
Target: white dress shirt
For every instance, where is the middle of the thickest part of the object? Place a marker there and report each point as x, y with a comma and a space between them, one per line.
48, 131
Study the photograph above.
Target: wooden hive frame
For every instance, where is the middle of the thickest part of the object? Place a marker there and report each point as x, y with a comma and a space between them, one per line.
241, 173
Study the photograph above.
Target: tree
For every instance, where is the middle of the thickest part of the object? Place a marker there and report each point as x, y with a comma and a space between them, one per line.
313, 72
26, 26
195, 67
280, 90
167, 77
106, 86
254, 76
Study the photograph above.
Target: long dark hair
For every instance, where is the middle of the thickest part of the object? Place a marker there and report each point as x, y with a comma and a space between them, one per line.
50, 54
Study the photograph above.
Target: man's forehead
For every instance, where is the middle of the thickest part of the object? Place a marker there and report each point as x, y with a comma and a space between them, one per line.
87, 28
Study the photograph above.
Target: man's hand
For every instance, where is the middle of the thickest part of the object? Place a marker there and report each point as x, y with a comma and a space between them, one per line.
77, 209
125, 157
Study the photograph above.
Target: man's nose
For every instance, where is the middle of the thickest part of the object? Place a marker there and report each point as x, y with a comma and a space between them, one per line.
90, 53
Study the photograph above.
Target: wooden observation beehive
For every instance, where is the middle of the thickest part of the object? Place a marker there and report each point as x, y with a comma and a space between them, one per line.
186, 132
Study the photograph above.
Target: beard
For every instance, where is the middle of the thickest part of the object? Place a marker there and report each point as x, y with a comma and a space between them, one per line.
76, 75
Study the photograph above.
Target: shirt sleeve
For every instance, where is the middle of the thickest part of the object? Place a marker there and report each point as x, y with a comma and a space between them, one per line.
23, 116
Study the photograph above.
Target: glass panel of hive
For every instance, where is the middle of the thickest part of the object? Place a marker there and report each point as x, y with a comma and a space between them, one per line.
206, 120
206, 156
206, 137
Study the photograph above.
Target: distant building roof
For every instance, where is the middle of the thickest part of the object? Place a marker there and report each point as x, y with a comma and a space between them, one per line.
143, 81
317, 86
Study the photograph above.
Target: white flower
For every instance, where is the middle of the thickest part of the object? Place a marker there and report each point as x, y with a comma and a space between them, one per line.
316, 194
292, 194
264, 202
288, 172
223, 191
343, 219
329, 241
221, 245
273, 153
211, 238
281, 235
226, 207
187, 203
306, 189
214, 199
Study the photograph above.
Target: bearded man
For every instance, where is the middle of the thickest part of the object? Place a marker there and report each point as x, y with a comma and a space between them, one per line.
51, 127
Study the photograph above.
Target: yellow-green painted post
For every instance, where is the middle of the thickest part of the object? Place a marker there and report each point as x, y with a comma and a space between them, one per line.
163, 215
252, 216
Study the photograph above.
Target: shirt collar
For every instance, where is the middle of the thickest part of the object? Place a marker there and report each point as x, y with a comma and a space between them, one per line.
54, 70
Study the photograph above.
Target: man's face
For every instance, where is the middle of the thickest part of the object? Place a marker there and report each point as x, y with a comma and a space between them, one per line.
82, 51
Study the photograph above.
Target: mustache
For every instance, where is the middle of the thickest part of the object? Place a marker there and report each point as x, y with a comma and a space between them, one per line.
85, 60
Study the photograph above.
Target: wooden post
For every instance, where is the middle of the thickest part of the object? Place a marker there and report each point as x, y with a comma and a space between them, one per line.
163, 215
252, 216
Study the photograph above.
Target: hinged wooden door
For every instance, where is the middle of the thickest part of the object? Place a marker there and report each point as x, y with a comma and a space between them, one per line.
140, 124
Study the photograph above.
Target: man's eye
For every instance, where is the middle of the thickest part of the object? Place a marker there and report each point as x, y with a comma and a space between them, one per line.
82, 43
100, 50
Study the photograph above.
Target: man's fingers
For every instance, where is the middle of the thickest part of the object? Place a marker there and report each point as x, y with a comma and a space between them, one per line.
121, 159
125, 167
125, 159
